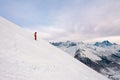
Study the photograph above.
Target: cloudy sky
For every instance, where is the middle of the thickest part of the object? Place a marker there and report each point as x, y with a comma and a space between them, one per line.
60, 20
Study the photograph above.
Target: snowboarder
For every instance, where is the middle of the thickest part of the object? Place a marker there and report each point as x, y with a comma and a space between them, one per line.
35, 35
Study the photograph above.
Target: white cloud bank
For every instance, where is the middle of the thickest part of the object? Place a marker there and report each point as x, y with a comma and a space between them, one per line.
61, 20
84, 20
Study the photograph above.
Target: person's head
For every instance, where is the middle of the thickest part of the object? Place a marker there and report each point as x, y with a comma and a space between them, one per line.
35, 32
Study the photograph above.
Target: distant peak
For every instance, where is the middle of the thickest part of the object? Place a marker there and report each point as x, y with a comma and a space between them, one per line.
104, 43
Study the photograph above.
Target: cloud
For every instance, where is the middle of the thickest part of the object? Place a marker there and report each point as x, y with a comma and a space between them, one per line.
95, 19
48, 32
65, 19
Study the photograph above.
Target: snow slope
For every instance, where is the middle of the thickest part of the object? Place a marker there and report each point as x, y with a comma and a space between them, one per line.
23, 58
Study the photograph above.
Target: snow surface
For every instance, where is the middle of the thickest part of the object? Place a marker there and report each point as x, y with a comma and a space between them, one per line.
23, 58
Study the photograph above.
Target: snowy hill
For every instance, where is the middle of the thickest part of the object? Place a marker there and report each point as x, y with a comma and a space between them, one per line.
23, 58
103, 57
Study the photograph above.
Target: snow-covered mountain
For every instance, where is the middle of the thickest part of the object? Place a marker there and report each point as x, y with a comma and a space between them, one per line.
103, 44
23, 58
103, 57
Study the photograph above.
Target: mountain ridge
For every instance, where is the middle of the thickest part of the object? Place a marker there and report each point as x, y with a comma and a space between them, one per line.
104, 43
103, 57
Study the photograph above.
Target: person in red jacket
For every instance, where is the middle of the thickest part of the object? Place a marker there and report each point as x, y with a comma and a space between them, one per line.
35, 35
